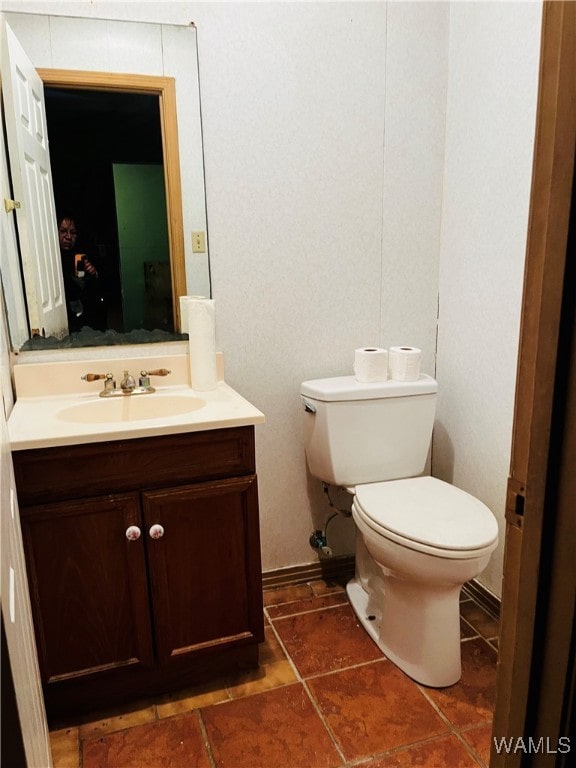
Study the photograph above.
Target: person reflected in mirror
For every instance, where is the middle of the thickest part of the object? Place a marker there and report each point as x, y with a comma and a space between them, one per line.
83, 283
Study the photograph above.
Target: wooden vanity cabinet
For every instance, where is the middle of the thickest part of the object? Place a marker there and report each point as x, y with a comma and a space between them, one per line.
178, 600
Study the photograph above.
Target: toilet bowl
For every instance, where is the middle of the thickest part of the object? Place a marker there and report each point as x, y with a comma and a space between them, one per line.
427, 539
418, 539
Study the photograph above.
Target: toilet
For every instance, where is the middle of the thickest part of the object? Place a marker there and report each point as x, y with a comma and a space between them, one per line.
418, 539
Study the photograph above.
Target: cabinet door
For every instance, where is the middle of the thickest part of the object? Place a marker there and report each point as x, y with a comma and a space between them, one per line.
205, 571
88, 586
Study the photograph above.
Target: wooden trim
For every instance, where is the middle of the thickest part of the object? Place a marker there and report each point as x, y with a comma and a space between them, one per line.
537, 365
337, 569
169, 123
165, 89
102, 81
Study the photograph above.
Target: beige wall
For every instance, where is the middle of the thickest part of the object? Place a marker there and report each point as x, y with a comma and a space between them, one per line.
491, 111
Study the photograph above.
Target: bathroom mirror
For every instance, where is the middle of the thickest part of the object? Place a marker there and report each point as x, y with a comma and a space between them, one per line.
154, 81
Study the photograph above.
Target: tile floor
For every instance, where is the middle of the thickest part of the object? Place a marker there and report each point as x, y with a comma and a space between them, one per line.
324, 697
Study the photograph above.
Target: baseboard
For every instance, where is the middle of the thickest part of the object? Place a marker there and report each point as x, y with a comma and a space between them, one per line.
340, 569
337, 569
481, 595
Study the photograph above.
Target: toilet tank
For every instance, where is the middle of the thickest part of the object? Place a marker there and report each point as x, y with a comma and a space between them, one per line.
358, 433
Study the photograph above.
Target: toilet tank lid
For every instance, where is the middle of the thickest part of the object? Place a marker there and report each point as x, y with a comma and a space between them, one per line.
348, 388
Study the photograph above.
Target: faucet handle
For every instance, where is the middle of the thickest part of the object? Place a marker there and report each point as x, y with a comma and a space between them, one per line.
145, 377
157, 372
109, 383
94, 376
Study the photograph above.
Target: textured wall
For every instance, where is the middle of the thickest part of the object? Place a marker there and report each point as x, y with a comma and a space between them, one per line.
494, 54
324, 199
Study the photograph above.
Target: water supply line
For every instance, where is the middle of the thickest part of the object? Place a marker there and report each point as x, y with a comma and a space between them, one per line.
345, 512
319, 539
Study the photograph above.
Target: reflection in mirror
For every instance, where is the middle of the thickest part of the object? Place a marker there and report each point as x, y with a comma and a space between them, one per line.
108, 177
109, 137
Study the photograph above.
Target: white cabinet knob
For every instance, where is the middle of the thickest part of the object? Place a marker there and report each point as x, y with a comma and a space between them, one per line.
156, 532
133, 533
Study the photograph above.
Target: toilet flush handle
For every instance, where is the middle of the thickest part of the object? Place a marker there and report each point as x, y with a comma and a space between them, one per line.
308, 406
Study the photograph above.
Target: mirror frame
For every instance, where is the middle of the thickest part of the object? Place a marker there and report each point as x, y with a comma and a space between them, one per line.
165, 89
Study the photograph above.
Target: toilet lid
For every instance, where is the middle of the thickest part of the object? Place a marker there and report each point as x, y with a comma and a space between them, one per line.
428, 511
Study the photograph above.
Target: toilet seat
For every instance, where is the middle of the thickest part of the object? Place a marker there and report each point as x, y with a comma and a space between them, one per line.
428, 515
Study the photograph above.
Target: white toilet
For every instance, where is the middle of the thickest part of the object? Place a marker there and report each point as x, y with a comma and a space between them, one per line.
418, 539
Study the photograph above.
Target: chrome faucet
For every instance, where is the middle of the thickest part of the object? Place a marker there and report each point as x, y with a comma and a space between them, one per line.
128, 383
144, 381
109, 383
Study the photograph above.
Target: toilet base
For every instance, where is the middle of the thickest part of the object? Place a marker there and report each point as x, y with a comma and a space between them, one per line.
366, 615
427, 650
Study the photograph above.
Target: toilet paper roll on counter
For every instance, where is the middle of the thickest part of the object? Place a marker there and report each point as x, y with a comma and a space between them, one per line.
370, 364
404, 363
199, 322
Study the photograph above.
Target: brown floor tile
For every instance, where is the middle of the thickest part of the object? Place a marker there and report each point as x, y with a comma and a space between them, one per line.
173, 743
286, 594
480, 739
466, 630
471, 700
198, 696
307, 604
262, 679
274, 670
264, 718
275, 729
270, 651
326, 640
446, 752
326, 587
117, 720
479, 619
65, 748
374, 708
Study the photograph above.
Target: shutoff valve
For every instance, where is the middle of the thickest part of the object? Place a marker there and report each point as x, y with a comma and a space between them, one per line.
318, 541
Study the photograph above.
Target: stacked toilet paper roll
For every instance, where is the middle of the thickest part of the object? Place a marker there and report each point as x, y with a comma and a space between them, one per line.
199, 322
404, 363
370, 364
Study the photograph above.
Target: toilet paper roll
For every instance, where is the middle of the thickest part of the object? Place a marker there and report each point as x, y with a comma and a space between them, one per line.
404, 363
184, 311
370, 364
201, 329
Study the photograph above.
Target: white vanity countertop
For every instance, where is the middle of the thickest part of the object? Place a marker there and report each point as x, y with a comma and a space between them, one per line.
81, 416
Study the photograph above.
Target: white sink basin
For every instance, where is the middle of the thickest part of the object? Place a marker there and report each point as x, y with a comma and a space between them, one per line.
55, 407
129, 408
